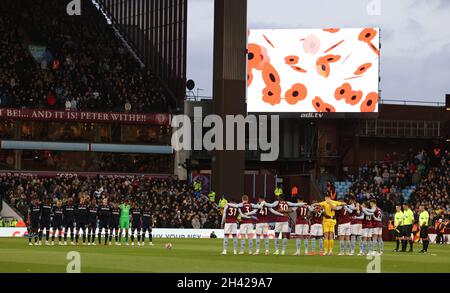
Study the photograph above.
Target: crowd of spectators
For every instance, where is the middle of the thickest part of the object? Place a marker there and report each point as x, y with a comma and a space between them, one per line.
88, 68
427, 173
172, 201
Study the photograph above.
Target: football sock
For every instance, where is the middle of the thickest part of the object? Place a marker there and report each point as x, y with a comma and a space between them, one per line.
47, 234
374, 244
250, 244
276, 243
398, 245
321, 244
267, 243
404, 244
369, 244
139, 237
242, 244
330, 245
106, 237
364, 243
297, 243
99, 236
353, 242
258, 241
348, 245
235, 243
381, 243
411, 244
313, 245
225, 243
284, 243
93, 237
305, 242
326, 242
426, 242
341, 245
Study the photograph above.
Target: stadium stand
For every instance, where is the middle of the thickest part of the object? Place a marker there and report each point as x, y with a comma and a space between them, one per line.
83, 65
172, 201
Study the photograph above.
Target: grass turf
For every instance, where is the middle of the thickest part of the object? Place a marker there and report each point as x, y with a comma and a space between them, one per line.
203, 255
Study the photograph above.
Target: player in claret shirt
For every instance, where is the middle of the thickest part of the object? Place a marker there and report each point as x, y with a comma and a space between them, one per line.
114, 223
147, 223
344, 226
356, 226
57, 222
377, 227
136, 224
301, 225
367, 230
46, 214
69, 219
229, 224
104, 215
316, 232
246, 227
282, 224
33, 218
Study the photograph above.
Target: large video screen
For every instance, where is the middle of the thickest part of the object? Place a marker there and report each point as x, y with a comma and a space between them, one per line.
313, 70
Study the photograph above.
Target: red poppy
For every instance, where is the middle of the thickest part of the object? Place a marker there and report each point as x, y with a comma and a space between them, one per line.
367, 35
296, 93
370, 102
323, 69
272, 94
354, 98
299, 69
328, 59
331, 30
270, 75
343, 91
254, 55
320, 106
291, 60
363, 68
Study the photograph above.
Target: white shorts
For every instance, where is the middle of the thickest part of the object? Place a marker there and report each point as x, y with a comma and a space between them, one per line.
377, 231
344, 229
367, 232
230, 228
246, 229
262, 229
316, 230
356, 229
281, 227
302, 229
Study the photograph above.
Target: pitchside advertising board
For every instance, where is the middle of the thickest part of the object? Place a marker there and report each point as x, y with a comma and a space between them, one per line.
327, 71
173, 233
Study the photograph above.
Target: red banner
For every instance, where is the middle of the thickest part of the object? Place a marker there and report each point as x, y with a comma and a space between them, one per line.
79, 116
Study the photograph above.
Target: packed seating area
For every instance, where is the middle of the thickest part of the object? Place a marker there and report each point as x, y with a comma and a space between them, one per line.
416, 177
172, 202
86, 66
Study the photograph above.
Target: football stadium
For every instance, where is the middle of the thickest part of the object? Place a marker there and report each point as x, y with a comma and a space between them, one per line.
224, 136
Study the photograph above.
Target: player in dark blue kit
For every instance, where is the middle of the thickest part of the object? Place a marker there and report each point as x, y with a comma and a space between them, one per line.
45, 223
104, 214
114, 223
147, 223
33, 218
136, 223
57, 222
92, 221
69, 219
81, 213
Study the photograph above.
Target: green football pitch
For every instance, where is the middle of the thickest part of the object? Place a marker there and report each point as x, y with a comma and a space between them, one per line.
203, 255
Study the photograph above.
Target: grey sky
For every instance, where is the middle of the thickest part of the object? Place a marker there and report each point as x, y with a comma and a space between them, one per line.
415, 39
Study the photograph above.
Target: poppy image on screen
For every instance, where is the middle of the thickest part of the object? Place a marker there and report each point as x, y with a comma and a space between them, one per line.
313, 70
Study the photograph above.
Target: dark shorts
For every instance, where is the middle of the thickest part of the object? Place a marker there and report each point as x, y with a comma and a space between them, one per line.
45, 223
136, 227
34, 223
68, 223
57, 225
92, 224
81, 225
104, 224
424, 232
114, 224
147, 228
407, 230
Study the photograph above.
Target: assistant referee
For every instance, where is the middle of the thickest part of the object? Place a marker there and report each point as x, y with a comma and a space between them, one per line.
424, 221
398, 225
